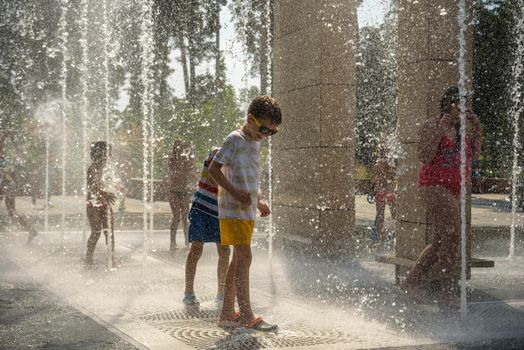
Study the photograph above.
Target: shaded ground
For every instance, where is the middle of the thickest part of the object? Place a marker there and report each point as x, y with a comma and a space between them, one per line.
503, 344
32, 318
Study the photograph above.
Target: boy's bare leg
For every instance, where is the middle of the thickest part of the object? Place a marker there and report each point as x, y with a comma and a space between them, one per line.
379, 219
112, 228
10, 205
191, 264
223, 263
228, 307
184, 212
95, 221
91, 245
243, 263
175, 210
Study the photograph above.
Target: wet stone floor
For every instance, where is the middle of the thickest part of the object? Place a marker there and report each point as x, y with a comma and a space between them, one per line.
318, 303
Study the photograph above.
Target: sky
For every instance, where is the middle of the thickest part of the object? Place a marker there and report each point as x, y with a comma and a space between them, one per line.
370, 13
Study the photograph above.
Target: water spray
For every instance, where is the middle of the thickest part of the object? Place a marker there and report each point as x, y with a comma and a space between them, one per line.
83, 109
463, 190
63, 82
146, 42
515, 112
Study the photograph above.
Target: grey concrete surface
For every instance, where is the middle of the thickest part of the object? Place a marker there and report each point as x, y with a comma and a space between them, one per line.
33, 318
319, 302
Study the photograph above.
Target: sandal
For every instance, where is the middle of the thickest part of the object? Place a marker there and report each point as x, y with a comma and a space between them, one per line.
232, 322
258, 324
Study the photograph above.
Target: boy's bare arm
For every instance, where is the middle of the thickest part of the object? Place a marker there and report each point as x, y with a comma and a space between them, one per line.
262, 206
215, 169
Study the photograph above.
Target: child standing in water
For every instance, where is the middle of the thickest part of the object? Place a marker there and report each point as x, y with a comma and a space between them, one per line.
8, 187
235, 168
99, 201
383, 177
181, 176
204, 228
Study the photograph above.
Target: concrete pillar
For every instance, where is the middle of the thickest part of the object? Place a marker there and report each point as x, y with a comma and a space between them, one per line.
314, 82
427, 65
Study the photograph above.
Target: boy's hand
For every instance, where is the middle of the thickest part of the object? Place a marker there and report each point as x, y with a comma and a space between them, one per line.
263, 208
242, 196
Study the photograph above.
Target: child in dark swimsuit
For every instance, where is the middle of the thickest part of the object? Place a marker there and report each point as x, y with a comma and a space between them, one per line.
99, 202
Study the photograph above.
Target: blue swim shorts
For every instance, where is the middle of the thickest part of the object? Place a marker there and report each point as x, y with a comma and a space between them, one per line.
203, 227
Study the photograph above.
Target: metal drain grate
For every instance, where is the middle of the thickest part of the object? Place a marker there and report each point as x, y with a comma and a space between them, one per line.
198, 329
181, 315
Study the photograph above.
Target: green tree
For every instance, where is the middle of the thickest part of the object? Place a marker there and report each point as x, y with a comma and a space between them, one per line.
253, 26
494, 24
376, 91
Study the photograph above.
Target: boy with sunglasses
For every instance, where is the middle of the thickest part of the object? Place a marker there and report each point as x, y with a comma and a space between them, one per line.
235, 168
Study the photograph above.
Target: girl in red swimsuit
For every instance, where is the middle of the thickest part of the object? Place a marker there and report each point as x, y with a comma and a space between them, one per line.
439, 182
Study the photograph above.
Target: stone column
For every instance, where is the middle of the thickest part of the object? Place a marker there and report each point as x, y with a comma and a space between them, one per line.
313, 156
427, 65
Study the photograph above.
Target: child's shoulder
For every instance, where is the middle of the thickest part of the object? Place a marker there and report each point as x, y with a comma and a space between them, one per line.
233, 138
235, 134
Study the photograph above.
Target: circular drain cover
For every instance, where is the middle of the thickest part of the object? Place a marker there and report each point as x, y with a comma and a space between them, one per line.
197, 328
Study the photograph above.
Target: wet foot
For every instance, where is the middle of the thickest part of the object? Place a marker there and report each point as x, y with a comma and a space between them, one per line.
258, 324
231, 322
219, 301
89, 264
190, 300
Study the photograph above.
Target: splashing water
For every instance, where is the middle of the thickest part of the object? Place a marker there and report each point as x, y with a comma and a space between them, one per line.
63, 83
463, 93
105, 30
111, 183
83, 108
146, 42
515, 112
106, 33
48, 114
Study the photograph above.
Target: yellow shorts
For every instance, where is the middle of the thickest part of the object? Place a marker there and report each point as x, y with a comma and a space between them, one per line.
236, 231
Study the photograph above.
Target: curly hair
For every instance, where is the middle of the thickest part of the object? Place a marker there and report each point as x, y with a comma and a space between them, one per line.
265, 107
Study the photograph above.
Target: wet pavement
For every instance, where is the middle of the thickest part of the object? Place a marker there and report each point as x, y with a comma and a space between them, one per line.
488, 210
33, 318
318, 302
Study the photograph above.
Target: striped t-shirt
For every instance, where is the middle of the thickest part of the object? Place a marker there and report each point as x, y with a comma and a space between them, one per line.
239, 156
205, 198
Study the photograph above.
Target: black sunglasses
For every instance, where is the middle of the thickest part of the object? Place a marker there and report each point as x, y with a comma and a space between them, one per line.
264, 129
